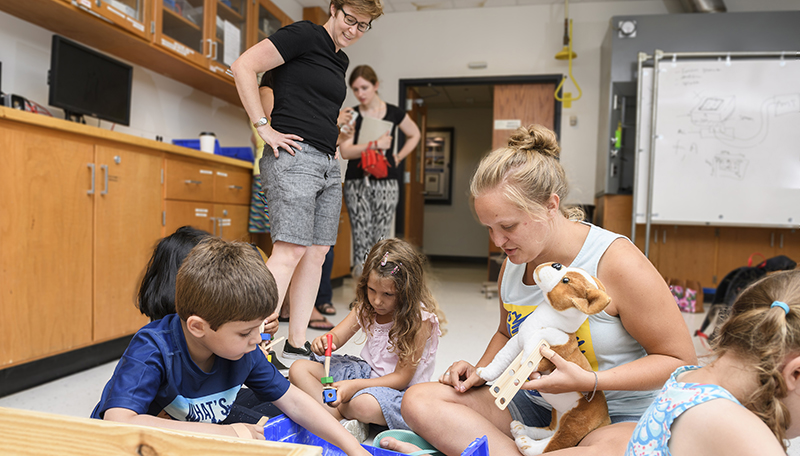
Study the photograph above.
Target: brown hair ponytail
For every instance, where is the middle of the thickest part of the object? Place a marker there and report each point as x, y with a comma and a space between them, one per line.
765, 334
530, 169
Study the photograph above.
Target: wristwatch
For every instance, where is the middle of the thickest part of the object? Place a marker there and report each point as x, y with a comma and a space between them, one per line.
261, 122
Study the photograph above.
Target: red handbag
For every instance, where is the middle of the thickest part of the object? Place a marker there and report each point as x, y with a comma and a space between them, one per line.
374, 162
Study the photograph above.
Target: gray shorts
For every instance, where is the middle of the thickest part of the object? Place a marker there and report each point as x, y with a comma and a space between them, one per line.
305, 195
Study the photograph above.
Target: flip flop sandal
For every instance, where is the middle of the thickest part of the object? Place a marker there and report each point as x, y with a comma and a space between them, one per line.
283, 319
408, 437
327, 309
327, 327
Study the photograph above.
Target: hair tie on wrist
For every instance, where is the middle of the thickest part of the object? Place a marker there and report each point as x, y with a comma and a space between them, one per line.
589, 399
782, 305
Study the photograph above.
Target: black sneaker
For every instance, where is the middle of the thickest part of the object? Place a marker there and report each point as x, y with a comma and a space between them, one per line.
278, 364
291, 352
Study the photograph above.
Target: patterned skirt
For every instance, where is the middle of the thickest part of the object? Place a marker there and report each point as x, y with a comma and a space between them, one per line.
259, 212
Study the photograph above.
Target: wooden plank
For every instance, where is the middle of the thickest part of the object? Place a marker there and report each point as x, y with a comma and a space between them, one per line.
25, 432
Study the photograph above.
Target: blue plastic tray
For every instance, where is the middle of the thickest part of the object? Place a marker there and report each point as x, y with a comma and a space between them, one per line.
241, 153
194, 144
283, 429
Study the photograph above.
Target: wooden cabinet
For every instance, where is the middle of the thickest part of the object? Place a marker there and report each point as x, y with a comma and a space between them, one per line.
128, 15
180, 27
738, 245
128, 205
210, 33
47, 253
79, 219
687, 252
342, 248
81, 210
268, 19
207, 196
185, 40
228, 35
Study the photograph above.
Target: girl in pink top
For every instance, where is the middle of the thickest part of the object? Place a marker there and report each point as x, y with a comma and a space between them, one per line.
400, 317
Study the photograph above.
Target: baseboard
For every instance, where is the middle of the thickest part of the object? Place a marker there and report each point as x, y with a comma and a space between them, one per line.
34, 373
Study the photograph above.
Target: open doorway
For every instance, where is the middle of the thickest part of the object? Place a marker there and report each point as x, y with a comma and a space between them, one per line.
469, 108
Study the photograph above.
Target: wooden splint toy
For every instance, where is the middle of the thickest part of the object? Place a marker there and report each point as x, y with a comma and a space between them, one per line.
510, 381
328, 391
267, 344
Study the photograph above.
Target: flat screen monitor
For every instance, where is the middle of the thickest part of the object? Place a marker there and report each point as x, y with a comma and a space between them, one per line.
86, 82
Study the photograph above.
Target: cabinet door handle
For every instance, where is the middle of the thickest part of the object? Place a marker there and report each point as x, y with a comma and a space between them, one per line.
190, 181
772, 239
665, 237
781, 241
208, 56
214, 50
91, 190
235, 187
105, 179
213, 225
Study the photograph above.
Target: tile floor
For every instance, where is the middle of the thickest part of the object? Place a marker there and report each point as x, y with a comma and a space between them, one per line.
472, 319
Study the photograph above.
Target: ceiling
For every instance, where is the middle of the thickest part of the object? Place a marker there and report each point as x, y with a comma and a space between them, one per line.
456, 96
401, 6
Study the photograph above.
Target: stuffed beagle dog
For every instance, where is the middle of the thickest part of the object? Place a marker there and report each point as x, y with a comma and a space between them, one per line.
571, 295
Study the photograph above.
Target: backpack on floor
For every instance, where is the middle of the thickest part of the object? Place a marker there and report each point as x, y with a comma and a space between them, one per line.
733, 283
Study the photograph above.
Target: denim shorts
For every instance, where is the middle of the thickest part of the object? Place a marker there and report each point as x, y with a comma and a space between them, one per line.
304, 192
529, 413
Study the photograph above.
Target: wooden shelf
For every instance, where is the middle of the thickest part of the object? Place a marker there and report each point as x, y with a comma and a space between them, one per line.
178, 17
67, 20
228, 12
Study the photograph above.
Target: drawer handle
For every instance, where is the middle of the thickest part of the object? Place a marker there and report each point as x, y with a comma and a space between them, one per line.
235, 187
193, 182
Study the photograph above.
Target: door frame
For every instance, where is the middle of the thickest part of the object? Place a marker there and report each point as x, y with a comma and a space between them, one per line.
404, 84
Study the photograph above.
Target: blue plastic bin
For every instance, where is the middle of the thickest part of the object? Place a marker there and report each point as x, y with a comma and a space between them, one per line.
283, 429
241, 153
195, 144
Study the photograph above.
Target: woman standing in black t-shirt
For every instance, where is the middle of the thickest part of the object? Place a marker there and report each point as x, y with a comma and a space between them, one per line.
301, 178
371, 202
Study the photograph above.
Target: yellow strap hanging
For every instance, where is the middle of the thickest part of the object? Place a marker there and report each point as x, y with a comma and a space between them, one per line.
580, 92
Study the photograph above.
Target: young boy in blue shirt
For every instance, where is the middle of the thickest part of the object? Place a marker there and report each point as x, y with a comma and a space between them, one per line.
184, 371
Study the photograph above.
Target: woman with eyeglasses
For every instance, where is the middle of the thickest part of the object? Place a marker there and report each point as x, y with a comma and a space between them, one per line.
302, 178
371, 201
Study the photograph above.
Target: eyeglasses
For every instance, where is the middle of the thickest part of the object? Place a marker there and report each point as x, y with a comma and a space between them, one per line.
351, 21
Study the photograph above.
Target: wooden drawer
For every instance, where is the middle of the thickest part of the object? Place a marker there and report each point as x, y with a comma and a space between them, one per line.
232, 186
197, 214
189, 180
232, 222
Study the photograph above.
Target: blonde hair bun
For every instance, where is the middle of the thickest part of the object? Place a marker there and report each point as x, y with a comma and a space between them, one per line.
535, 138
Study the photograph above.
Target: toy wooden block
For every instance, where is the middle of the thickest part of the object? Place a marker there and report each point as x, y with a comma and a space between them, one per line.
328, 391
510, 381
329, 394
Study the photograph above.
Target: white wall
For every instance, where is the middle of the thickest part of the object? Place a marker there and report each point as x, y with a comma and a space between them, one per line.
519, 40
452, 230
514, 40
160, 105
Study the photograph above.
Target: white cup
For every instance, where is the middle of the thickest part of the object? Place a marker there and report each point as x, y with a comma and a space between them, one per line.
207, 141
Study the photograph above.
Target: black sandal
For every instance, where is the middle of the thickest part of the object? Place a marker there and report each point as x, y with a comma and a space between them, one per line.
326, 309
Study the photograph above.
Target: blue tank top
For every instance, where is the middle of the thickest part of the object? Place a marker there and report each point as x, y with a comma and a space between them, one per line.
652, 433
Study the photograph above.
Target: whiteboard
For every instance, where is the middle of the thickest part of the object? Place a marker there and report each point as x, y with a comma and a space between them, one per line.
726, 149
642, 170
